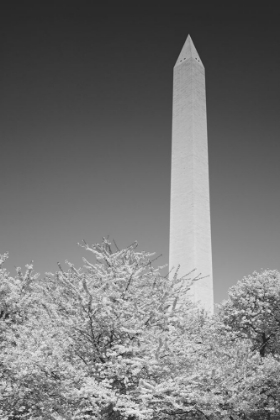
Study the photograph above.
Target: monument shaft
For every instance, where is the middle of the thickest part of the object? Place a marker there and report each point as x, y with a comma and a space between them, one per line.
190, 228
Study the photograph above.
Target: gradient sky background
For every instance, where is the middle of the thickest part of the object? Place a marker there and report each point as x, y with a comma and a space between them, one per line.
85, 126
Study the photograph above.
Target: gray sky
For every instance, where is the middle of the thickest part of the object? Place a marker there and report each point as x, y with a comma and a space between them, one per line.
85, 125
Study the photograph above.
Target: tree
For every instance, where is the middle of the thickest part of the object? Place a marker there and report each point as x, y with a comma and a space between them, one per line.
115, 340
117, 315
88, 345
253, 311
20, 302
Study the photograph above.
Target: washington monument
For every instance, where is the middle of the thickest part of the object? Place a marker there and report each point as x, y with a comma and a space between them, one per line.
190, 228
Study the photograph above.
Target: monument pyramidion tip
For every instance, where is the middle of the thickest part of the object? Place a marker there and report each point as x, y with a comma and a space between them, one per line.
188, 51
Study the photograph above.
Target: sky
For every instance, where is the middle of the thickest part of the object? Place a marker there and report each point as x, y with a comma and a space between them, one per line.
85, 129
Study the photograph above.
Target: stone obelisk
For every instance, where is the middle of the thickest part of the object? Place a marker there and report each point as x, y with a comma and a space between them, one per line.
190, 228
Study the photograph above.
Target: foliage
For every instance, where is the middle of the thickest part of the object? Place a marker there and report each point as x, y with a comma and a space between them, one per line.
253, 311
116, 340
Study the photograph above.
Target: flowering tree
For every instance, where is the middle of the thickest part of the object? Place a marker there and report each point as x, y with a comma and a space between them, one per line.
82, 340
253, 311
115, 340
117, 315
20, 314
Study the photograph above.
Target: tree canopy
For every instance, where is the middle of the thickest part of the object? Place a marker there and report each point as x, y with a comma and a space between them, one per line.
115, 340
253, 311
